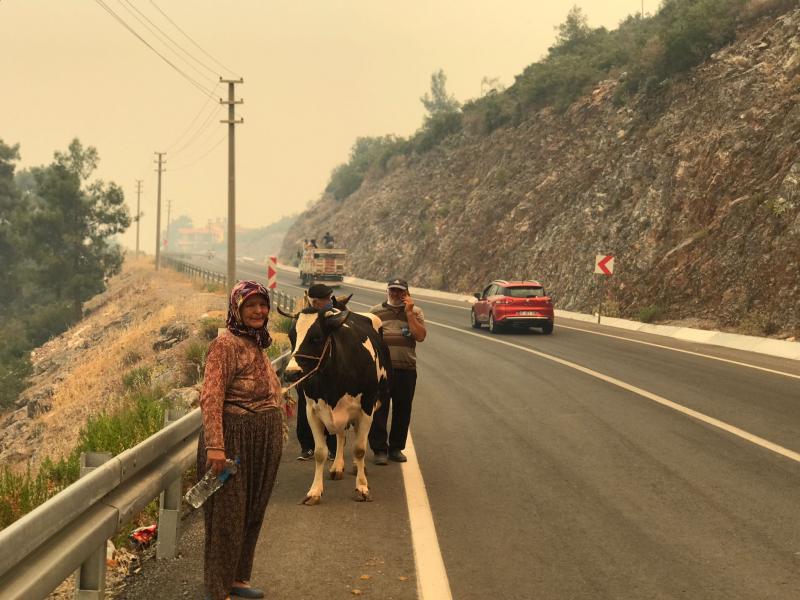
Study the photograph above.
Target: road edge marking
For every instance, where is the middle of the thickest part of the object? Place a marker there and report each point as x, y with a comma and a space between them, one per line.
693, 353
741, 433
432, 580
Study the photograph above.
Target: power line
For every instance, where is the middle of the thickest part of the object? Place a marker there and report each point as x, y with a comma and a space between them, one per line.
186, 35
201, 157
193, 121
169, 41
204, 126
191, 80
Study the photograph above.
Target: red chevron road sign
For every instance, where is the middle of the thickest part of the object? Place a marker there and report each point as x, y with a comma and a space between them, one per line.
272, 272
604, 264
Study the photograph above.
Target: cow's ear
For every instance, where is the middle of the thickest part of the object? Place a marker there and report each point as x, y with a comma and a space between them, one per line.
334, 318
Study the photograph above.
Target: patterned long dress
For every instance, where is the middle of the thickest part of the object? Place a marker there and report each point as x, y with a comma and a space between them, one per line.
241, 413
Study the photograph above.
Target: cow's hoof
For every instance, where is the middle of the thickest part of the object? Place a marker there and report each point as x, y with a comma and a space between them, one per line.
311, 500
337, 475
363, 496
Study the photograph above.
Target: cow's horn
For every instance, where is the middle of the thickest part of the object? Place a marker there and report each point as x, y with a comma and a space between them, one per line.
335, 318
341, 301
286, 314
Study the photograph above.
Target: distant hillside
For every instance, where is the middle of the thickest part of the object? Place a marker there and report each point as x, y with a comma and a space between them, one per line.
692, 182
265, 241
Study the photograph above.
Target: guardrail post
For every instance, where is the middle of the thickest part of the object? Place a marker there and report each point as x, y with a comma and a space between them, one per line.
90, 578
169, 513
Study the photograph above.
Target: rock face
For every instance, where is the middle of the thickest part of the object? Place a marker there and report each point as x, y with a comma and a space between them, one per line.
694, 189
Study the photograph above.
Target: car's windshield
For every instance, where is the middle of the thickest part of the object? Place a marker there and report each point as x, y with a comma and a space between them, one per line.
523, 291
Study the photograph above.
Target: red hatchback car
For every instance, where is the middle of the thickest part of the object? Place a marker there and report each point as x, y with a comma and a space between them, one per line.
513, 303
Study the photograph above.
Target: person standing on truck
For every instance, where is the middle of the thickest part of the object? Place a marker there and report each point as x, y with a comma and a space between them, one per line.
327, 240
403, 327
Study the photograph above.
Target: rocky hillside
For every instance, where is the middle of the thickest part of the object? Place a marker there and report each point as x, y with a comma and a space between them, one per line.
695, 190
143, 318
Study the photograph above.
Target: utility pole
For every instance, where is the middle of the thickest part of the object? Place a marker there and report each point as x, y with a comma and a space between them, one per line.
169, 220
138, 213
232, 122
158, 209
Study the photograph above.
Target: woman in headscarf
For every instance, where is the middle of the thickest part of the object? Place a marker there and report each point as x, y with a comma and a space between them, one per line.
242, 420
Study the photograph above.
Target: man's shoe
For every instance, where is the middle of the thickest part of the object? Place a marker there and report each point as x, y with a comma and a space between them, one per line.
397, 456
381, 458
247, 592
306, 455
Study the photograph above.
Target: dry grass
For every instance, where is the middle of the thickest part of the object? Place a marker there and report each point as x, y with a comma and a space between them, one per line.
148, 300
145, 301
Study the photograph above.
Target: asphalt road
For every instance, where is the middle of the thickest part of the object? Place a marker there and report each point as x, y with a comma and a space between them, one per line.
594, 463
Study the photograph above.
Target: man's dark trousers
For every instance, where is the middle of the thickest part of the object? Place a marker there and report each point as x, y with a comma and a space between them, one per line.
403, 384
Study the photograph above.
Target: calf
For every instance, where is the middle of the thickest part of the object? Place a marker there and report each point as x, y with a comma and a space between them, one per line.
343, 366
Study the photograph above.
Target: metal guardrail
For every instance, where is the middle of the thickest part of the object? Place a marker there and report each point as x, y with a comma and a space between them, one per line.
279, 298
194, 271
46, 546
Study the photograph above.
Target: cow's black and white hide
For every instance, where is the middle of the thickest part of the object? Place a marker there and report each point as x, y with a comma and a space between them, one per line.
345, 368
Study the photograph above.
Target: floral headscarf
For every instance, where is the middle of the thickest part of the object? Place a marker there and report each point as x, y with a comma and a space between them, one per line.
241, 292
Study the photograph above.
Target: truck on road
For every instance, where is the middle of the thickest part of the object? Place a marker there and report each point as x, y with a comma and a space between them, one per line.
323, 265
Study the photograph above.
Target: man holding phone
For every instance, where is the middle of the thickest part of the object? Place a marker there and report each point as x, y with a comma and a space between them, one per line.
403, 328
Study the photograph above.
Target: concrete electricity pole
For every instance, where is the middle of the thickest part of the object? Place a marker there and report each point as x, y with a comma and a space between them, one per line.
169, 220
138, 212
158, 209
231, 121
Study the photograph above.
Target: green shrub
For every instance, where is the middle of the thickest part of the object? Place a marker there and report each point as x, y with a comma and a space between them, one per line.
648, 314
130, 358
13, 371
137, 379
118, 431
367, 153
758, 323
276, 349
345, 180
210, 327
280, 324
44, 321
142, 417
436, 128
194, 361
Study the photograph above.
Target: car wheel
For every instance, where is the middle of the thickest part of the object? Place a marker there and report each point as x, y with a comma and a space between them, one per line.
547, 329
473, 320
494, 327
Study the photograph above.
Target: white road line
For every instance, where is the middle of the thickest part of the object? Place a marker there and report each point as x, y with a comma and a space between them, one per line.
432, 581
427, 301
366, 289
626, 339
759, 441
727, 360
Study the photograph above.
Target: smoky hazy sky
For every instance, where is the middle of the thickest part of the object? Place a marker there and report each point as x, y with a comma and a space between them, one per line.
317, 74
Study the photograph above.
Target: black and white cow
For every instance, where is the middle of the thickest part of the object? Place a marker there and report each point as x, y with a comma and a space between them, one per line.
343, 366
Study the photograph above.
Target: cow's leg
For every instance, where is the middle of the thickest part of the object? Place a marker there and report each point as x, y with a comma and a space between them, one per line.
362, 426
337, 467
320, 454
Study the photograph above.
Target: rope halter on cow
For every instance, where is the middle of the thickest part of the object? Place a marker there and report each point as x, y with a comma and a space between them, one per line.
327, 347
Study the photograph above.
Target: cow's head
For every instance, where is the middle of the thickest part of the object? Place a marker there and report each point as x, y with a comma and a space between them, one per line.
314, 344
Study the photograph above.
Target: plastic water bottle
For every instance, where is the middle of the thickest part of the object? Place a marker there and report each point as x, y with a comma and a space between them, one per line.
210, 483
